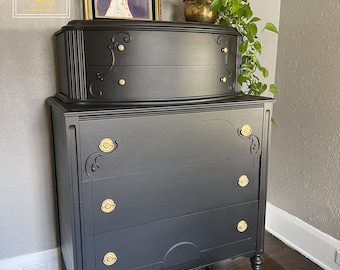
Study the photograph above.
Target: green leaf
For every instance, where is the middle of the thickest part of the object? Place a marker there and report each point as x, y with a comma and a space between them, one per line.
216, 5
254, 19
258, 46
235, 6
243, 47
253, 29
247, 11
241, 79
275, 125
247, 66
271, 27
239, 12
260, 88
264, 71
273, 89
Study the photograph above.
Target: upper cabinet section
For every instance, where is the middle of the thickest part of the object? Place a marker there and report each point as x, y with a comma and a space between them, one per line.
124, 61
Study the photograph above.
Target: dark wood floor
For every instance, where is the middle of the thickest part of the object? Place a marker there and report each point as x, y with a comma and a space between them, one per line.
277, 256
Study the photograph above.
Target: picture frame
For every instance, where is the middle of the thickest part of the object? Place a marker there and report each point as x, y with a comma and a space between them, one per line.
122, 9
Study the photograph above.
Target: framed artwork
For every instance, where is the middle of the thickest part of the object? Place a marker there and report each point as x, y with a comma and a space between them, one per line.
122, 9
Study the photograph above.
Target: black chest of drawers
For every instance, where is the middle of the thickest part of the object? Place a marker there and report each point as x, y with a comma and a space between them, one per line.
174, 187
128, 61
156, 172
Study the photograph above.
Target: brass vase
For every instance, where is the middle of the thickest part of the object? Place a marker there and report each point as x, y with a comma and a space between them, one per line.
198, 11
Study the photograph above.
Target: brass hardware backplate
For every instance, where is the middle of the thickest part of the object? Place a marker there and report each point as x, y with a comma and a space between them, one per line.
242, 226
106, 145
110, 258
246, 130
121, 47
243, 181
108, 206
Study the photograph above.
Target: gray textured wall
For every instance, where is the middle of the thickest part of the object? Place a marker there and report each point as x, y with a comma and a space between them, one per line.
27, 78
304, 169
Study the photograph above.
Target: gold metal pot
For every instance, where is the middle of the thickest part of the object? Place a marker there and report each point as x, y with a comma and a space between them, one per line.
198, 11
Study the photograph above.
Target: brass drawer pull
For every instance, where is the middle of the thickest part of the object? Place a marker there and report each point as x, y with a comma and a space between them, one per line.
223, 79
242, 226
108, 206
224, 50
246, 130
122, 82
243, 181
121, 47
106, 145
110, 258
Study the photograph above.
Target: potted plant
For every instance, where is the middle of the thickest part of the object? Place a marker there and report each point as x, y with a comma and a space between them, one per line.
199, 11
239, 15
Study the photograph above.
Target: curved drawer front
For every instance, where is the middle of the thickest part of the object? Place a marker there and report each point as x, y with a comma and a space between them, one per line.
193, 239
149, 83
159, 62
159, 48
155, 143
157, 167
149, 197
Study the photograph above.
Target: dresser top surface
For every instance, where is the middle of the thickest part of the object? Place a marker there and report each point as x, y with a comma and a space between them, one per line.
106, 24
240, 101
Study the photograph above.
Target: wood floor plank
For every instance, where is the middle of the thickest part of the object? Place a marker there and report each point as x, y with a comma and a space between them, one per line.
277, 256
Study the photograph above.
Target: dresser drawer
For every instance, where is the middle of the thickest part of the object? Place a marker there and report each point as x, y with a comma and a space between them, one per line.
159, 48
142, 144
162, 82
192, 239
114, 203
92, 54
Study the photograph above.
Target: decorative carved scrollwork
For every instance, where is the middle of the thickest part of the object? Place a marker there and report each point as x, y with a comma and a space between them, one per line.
114, 46
222, 40
92, 161
255, 142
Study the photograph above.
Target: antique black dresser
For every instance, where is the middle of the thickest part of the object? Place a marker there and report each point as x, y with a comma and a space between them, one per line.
161, 161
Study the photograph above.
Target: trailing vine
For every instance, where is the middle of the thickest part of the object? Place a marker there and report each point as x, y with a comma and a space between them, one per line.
239, 15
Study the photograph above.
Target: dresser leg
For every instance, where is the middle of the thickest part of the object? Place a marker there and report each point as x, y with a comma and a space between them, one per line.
256, 262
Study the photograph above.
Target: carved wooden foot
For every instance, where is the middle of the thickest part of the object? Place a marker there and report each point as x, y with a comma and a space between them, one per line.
256, 262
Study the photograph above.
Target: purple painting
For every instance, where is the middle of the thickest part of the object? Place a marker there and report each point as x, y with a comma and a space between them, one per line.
139, 9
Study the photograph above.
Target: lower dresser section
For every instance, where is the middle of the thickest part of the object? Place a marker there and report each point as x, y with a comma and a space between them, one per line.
179, 243
161, 187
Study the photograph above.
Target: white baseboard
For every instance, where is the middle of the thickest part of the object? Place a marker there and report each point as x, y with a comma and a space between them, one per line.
45, 260
312, 243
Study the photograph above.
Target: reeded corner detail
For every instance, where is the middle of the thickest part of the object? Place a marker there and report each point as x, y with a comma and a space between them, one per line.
92, 161
117, 45
255, 145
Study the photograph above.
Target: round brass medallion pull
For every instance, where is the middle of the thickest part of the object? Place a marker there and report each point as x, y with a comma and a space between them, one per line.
108, 206
110, 258
243, 181
106, 145
246, 130
242, 226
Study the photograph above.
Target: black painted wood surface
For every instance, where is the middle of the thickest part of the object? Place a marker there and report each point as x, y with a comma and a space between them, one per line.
173, 176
